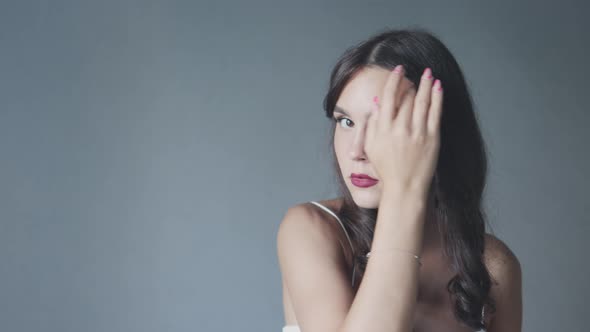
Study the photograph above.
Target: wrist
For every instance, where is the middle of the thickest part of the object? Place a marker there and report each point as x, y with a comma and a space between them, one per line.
406, 194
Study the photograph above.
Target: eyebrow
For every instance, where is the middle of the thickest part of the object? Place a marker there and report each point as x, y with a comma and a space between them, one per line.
340, 110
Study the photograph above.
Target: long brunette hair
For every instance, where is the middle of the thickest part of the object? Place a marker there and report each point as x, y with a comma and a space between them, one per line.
460, 173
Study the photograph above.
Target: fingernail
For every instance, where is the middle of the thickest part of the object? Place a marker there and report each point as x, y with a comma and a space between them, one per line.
376, 100
427, 73
398, 69
438, 85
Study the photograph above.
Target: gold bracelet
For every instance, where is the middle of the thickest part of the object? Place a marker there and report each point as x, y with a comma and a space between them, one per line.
408, 252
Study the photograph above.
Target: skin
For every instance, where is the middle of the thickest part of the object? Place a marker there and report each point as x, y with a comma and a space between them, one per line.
314, 255
352, 112
356, 99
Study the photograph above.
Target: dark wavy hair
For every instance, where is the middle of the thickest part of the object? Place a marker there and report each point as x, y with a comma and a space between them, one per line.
460, 172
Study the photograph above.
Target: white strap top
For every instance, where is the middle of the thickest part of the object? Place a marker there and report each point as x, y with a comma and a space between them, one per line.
295, 328
345, 232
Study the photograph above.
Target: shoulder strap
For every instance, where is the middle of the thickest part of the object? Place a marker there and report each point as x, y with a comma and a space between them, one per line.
482, 320
345, 232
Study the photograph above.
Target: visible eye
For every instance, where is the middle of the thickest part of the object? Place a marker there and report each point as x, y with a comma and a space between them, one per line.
338, 120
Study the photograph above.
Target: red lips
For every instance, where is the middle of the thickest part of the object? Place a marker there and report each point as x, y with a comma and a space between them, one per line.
362, 180
362, 176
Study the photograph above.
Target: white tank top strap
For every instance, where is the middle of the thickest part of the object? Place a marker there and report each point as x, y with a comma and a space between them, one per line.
483, 311
345, 233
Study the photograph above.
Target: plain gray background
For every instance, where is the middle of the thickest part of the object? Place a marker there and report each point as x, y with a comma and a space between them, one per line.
149, 150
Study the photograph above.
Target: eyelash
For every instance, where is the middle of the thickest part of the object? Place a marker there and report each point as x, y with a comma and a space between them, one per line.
337, 120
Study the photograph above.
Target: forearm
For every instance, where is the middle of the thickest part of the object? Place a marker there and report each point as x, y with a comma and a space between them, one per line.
386, 298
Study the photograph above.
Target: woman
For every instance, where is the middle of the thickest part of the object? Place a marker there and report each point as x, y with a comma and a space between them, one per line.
411, 165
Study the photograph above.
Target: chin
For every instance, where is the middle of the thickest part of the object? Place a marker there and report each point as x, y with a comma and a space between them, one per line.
367, 198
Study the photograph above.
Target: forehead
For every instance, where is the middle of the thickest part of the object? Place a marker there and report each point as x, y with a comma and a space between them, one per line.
368, 82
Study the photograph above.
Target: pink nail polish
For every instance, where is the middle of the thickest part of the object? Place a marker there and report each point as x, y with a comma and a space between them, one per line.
427, 73
376, 100
438, 85
397, 69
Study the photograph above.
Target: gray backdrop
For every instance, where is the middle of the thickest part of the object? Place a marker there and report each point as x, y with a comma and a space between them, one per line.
149, 150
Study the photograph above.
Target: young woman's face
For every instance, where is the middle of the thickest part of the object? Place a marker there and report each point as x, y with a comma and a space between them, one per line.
352, 111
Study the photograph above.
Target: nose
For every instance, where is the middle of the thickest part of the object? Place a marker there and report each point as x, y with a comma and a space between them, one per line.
357, 149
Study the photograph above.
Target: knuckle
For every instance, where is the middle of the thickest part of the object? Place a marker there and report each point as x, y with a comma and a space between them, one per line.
421, 103
420, 137
401, 131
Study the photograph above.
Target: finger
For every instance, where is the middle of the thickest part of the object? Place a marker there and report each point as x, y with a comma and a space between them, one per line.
434, 113
372, 120
404, 115
422, 102
387, 109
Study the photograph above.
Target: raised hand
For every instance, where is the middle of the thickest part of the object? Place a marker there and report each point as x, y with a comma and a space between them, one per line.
403, 143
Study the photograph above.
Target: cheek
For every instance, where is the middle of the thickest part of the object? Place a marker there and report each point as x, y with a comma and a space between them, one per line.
340, 145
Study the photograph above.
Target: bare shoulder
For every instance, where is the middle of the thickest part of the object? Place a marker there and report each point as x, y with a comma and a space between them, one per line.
505, 271
498, 257
316, 284
305, 222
